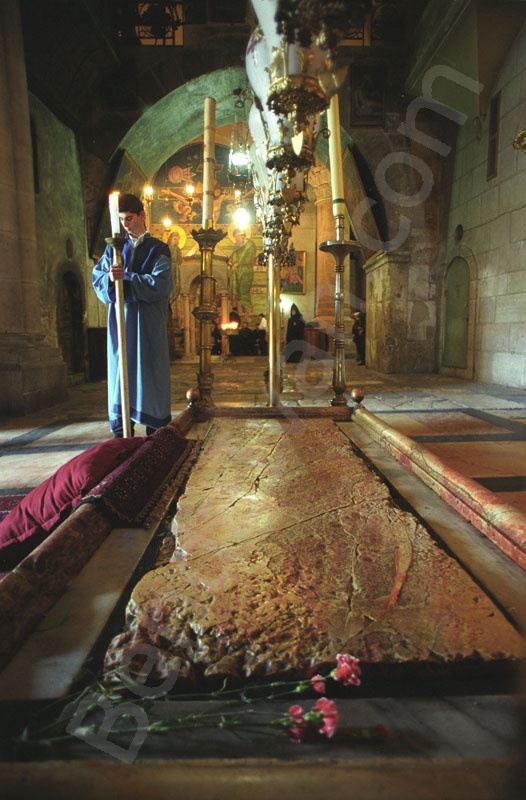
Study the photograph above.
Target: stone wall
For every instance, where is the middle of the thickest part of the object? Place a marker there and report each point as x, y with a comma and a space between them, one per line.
400, 278
492, 214
60, 219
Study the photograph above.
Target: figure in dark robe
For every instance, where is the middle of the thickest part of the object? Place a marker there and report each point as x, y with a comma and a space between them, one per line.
294, 340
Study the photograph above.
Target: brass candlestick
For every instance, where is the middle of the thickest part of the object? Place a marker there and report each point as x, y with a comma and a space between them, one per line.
205, 312
339, 249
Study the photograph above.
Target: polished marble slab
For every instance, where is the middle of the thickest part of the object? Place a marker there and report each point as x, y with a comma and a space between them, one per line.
295, 550
439, 424
483, 459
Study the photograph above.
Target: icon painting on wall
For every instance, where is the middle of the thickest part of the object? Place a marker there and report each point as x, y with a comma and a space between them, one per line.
185, 206
293, 275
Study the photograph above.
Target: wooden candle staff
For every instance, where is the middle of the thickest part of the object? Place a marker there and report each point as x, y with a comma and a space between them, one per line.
116, 241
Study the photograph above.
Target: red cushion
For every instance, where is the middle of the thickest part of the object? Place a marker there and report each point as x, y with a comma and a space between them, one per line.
25, 526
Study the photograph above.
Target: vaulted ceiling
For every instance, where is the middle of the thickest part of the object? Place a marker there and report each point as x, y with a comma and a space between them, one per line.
86, 61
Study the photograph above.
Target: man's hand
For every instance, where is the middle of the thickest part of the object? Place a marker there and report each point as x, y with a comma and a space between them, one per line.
116, 272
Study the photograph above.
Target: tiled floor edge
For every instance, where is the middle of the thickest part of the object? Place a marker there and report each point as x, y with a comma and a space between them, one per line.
504, 525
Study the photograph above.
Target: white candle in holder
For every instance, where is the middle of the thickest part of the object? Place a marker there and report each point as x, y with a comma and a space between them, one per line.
335, 157
209, 162
114, 214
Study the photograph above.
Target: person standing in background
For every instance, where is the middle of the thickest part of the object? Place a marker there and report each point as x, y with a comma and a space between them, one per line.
294, 340
261, 337
358, 335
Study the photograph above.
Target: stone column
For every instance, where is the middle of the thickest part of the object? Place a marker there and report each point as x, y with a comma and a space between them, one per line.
32, 373
388, 349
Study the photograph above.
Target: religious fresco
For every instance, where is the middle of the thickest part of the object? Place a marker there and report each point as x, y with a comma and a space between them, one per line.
184, 167
174, 214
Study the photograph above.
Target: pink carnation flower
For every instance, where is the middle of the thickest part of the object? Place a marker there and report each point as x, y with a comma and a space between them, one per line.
347, 670
297, 724
318, 683
329, 712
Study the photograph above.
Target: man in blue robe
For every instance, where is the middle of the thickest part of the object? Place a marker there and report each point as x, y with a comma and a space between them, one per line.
146, 271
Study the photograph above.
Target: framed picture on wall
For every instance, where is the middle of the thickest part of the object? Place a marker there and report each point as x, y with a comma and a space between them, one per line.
293, 277
367, 82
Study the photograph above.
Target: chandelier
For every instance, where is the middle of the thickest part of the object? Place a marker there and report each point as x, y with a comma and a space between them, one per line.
239, 167
321, 23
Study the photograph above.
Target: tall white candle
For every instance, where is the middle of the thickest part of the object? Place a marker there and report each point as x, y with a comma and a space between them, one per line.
335, 157
209, 162
114, 214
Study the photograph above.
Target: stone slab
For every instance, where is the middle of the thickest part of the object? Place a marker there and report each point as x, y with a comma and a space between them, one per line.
291, 550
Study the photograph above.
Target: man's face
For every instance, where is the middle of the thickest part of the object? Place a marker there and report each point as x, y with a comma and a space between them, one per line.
134, 224
240, 238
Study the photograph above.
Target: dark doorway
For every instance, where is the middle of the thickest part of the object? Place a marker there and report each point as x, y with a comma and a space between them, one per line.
457, 315
70, 314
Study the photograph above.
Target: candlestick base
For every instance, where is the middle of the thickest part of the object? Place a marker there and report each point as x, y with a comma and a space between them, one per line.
339, 250
206, 312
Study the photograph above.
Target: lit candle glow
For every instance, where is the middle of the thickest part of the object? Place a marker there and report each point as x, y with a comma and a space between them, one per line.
209, 162
335, 157
114, 214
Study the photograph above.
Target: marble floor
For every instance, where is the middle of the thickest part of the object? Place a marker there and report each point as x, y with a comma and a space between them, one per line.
477, 429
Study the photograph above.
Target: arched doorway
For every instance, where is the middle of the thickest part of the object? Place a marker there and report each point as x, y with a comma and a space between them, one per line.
70, 315
456, 317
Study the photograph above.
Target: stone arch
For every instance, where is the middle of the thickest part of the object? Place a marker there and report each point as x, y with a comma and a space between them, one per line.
191, 269
176, 120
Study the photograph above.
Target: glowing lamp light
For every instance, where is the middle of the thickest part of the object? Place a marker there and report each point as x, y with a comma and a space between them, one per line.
241, 218
148, 193
167, 222
239, 158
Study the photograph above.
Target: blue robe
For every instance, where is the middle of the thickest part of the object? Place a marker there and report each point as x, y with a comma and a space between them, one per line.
147, 287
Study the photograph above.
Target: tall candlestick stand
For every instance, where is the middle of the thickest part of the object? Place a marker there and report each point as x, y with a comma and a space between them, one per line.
117, 243
206, 312
209, 162
274, 332
339, 249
